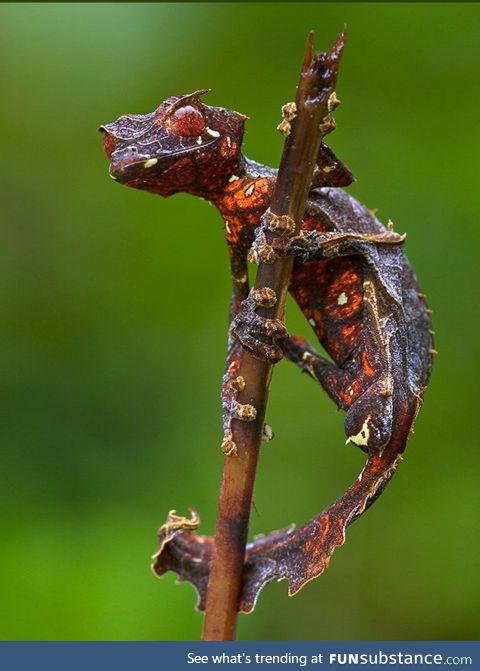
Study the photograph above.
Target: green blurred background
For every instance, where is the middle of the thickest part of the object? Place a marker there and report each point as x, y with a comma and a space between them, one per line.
111, 367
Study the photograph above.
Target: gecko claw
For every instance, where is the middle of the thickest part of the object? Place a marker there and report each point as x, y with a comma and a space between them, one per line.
229, 447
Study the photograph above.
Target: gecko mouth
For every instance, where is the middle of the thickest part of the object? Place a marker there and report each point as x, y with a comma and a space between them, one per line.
129, 162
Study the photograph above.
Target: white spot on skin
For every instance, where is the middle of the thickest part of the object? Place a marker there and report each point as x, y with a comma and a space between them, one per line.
250, 190
233, 178
312, 322
213, 133
227, 227
242, 279
367, 288
342, 299
362, 437
328, 168
229, 142
350, 392
199, 139
150, 163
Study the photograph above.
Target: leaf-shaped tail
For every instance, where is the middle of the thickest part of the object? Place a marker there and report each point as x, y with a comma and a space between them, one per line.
297, 555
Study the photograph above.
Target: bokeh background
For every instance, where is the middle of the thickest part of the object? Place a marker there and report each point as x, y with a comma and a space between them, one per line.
111, 364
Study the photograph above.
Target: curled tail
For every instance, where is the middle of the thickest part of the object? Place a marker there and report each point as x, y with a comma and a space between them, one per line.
297, 555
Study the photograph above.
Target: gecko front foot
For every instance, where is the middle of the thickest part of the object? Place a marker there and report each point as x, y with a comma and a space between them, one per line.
282, 226
232, 409
261, 336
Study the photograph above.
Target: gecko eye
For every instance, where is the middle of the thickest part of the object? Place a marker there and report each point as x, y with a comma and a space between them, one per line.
188, 121
108, 144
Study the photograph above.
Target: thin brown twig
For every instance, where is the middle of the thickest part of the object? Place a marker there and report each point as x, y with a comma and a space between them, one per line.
307, 128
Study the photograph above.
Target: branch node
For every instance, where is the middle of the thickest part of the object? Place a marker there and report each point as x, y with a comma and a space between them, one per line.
289, 112
327, 125
267, 433
333, 101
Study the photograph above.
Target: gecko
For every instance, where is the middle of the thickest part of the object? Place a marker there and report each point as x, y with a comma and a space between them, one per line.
352, 282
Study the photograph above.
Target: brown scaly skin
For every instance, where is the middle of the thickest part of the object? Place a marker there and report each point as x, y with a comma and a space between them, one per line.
353, 283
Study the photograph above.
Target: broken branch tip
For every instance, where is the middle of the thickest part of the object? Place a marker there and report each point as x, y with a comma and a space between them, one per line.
307, 59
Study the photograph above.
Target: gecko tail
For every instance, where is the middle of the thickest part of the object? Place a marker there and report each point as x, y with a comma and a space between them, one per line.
297, 555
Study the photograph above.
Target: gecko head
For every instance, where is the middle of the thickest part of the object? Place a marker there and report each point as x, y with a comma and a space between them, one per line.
184, 145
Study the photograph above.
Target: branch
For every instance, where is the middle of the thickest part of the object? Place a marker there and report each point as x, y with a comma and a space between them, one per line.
305, 125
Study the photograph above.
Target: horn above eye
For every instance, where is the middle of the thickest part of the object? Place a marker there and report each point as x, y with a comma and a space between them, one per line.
109, 144
187, 121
